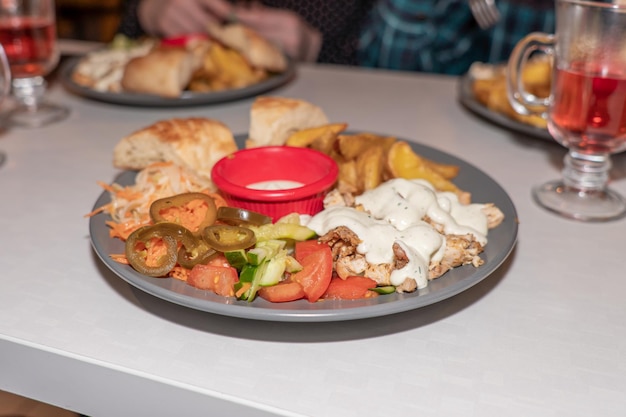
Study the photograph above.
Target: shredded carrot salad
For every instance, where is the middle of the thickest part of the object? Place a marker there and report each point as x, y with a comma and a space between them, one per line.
130, 205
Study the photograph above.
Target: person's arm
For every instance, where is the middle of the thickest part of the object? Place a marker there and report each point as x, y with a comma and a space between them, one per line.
285, 28
166, 18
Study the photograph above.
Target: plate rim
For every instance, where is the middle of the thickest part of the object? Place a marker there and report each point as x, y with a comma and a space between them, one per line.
467, 99
338, 310
188, 99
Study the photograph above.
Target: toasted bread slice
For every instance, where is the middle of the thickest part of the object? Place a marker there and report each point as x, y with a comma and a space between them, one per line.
194, 143
274, 119
165, 72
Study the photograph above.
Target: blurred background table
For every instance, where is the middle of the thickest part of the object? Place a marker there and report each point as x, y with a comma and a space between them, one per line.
545, 335
90, 20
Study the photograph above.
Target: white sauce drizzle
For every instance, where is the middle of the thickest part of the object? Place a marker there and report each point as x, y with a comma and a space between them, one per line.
395, 210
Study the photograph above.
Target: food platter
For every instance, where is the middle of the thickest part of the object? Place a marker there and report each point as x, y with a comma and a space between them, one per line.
484, 189
467, 99
188, 98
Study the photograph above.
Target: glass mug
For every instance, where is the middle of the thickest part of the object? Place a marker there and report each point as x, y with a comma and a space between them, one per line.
28, 34
5, 90
5, 79
586, 110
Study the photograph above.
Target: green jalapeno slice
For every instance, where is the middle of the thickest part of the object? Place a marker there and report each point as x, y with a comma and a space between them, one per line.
137, 256
178, 201
238, 216
193, 250
225, 238
199, 254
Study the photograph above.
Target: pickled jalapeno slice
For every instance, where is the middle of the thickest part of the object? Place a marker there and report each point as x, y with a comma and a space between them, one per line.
225, 238
159, 208
139, 244
199, 254
181, 245
240, 217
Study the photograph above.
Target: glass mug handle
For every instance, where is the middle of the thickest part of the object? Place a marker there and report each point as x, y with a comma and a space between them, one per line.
5, 75
521, 100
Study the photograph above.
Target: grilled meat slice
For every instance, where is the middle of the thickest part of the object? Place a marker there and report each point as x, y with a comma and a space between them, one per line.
460, 250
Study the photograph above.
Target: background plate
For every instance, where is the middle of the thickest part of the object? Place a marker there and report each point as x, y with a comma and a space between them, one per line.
188, 98
466, 97
484, 189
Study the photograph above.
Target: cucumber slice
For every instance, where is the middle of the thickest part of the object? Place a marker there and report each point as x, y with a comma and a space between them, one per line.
248, 272
265, 250
292, 218
292, 265
256, 281
236, 258
387, 289
257, 256
282, 231
274, 270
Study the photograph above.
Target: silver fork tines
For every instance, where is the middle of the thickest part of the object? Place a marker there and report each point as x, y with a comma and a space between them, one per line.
485, 12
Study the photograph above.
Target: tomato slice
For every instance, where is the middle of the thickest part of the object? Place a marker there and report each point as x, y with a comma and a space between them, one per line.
316, 273
219, 260
351, 288
219, 279
306, 247
282, 292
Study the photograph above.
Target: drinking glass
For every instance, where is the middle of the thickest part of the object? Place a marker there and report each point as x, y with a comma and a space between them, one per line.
5, 90
5, 77
28, 34
586, 109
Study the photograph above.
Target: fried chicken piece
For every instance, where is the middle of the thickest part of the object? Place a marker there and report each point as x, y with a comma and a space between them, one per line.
334, 198
400, 258
381, 273
408, 285
342, 241
339, 197
350, 265
494, 215
460, 250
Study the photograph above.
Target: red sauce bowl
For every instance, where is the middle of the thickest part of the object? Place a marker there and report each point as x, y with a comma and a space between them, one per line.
315, 170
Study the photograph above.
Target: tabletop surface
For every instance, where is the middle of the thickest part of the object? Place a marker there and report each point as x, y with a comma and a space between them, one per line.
544, 335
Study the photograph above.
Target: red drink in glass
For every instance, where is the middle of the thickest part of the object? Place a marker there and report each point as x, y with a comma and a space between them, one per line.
586, 109
29, 43
589, 110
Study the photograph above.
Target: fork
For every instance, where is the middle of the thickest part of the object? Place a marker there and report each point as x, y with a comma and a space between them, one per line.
485, 12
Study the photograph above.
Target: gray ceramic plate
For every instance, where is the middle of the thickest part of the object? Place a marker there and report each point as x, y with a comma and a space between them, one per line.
188, 98
466, 97
484, 189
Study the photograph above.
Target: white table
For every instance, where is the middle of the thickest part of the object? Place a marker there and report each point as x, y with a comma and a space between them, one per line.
545, 335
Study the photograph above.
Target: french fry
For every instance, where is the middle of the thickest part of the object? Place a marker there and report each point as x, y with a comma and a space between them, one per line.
447, 171
369, 167
325, 143
351, 146
224, 68
348, 180
306, 137
537, 76
403, 162
492, 91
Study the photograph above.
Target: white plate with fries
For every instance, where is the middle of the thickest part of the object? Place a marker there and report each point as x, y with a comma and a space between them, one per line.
502, 240
499, 111
188, 98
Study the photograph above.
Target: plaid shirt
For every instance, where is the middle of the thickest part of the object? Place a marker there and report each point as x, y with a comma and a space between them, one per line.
441, 36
